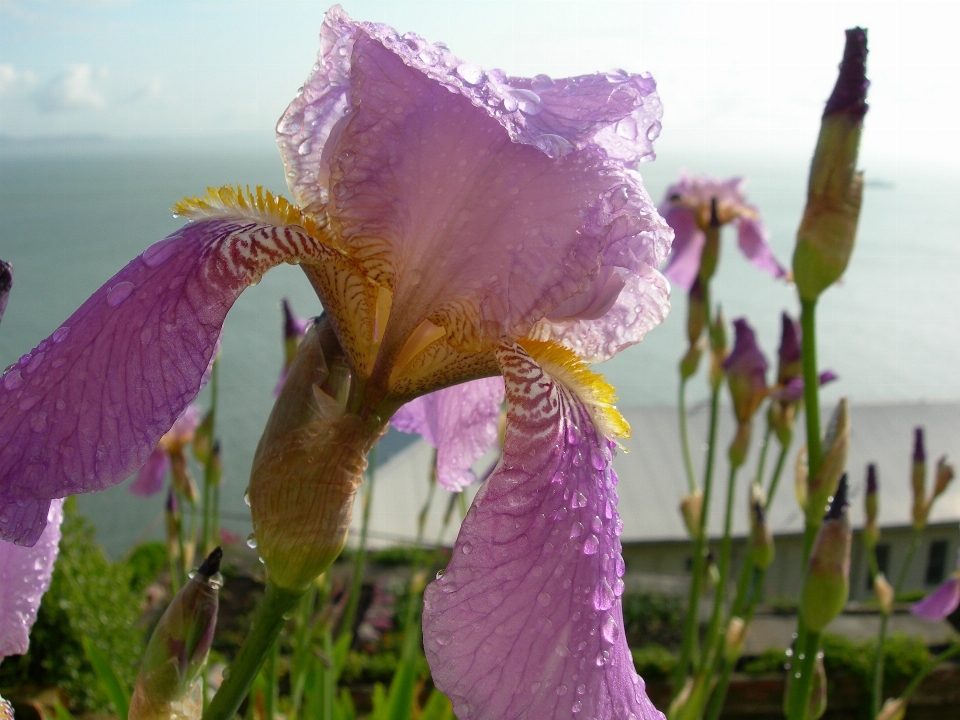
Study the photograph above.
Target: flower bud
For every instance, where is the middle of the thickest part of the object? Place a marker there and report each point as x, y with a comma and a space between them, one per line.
761, 538
746, 369
718, 349
739, 446
172, 517
918, 479
827, 584
308, 465
817, 705
203, 438
828, 230
790, 363
169, 684
711, 246
884, 592
870, 496
216, 464
691, 508
696, 312
893, 709
691, 361
780, 418
836, 445
944, 476
801, 471
182, 479
734, 638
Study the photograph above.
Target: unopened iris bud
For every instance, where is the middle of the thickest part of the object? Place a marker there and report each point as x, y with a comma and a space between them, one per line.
718, 349
746, 369
836, 446
203, 439
801, 471
789, 354
169, 684
945, 475
884, 592
918, 479
696, 312
691, 361
691, 508
871, 533
734, 638
172, 517
827, 583
308, 465
761, 538
817, 705
893, 709
182, 479
828, 230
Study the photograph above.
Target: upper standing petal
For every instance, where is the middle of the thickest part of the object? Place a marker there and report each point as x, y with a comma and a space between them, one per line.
84, 409
755, 243
460, 421
527, 621
24, 577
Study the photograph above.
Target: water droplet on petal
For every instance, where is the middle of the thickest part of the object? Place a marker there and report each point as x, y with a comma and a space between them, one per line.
251, 541
246, 497
12, 380
29, 402
34, 363
603, 596
305, 147
159, 252
439, 574
543, 599
590, 545
471, 74
608, 629
467, 548
596, 525
576, 707
38, 421
554, 145
119, 292
540, 83
576, 530
442, 639
627, 128
60, 334
527, 100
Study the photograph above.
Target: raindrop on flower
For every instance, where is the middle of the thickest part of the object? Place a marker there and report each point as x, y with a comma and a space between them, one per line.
251, 541
591, 545
119, 292
471, 74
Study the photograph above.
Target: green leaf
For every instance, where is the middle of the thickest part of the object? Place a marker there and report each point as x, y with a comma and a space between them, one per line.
62, 712
437, 707
112, 686
379, 702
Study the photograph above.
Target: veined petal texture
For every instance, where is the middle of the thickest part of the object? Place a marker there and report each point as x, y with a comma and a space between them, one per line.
25, 574
86, 407
527, 621
460, 421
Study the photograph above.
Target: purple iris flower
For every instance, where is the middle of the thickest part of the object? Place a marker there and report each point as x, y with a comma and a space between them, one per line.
691, 206
790, 369
942, 601
456, 224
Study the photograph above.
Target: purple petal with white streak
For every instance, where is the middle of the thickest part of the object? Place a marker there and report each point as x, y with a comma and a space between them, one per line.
25, 574
460, 421
940, 603
526, 621
150, 477
85, 409
755, 243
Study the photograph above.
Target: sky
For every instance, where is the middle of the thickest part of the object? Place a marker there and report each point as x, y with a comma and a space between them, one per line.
733, 76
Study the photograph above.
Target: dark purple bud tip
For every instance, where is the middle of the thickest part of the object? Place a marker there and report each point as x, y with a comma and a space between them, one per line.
919, 454
173, 505
789, 340
850, 93
714, 215
758, 512
211, 566
871, 479
290, 326
216, 447
839, 503
696, 291
6, 277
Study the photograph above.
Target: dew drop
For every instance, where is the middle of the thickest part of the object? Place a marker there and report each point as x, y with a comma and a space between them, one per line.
590, 545
119, 292
60, 334
554, 145
608, 629
543, 599
528, 101
581, 689
12, 380
603, 596
561, 690
471, 74
439, 574
442, 639
159, 252
246, 497
29, 402
467, 548
305, 147
627, 128
596, 524
38, 421
34, 363
577, 530
251, 541
576, 707
535, 688
580, 500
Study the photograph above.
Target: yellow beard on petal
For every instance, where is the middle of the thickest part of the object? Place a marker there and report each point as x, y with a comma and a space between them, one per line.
261, 205
563, 365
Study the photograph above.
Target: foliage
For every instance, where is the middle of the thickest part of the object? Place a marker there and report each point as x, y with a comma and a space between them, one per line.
146, 562
654, 662
653, 619
89, 598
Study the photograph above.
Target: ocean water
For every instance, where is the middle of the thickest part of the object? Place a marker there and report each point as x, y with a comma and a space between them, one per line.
73, 215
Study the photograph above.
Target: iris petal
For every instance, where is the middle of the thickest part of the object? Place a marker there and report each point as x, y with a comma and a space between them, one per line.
688, 245
527, 620
150, 477
754, 241
940, 603
460, 421
85, 409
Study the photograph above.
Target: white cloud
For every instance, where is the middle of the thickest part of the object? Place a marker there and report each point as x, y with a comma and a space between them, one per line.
11, 80
73, 89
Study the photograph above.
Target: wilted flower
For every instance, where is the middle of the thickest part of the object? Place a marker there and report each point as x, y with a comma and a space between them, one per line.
942, 601
827, 583
696, 208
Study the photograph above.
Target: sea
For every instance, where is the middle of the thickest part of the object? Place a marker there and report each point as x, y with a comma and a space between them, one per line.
75, 211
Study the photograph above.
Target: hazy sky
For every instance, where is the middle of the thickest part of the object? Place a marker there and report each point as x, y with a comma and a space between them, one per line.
733, 76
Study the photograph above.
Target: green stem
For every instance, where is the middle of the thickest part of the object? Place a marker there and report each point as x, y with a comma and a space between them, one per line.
777, 472
927, 669
271, 671
685, 437
811, 385
688, 650
762, 461
267, 624
207, 528
714, 642
802, 683
876, 699
349, 615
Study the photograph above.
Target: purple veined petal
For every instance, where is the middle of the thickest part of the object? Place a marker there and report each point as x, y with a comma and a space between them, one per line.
85, 409
755, 244
527, 621
460, 421
688, 241
6, 282
25, 574
940, 603
150, 477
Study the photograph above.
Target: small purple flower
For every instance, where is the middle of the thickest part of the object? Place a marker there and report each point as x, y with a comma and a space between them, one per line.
692, 205
942, 601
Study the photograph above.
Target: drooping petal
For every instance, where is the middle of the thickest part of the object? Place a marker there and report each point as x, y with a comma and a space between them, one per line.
940, 603
755, 243
85, 408
183, 428
688, 242
480, 204
526, 621
150, 477
6, 282
24, 577
460, 421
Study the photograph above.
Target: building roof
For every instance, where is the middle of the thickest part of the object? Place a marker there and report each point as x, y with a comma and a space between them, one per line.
652, 478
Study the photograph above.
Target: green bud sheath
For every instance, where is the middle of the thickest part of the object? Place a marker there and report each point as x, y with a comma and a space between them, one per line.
827, 584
